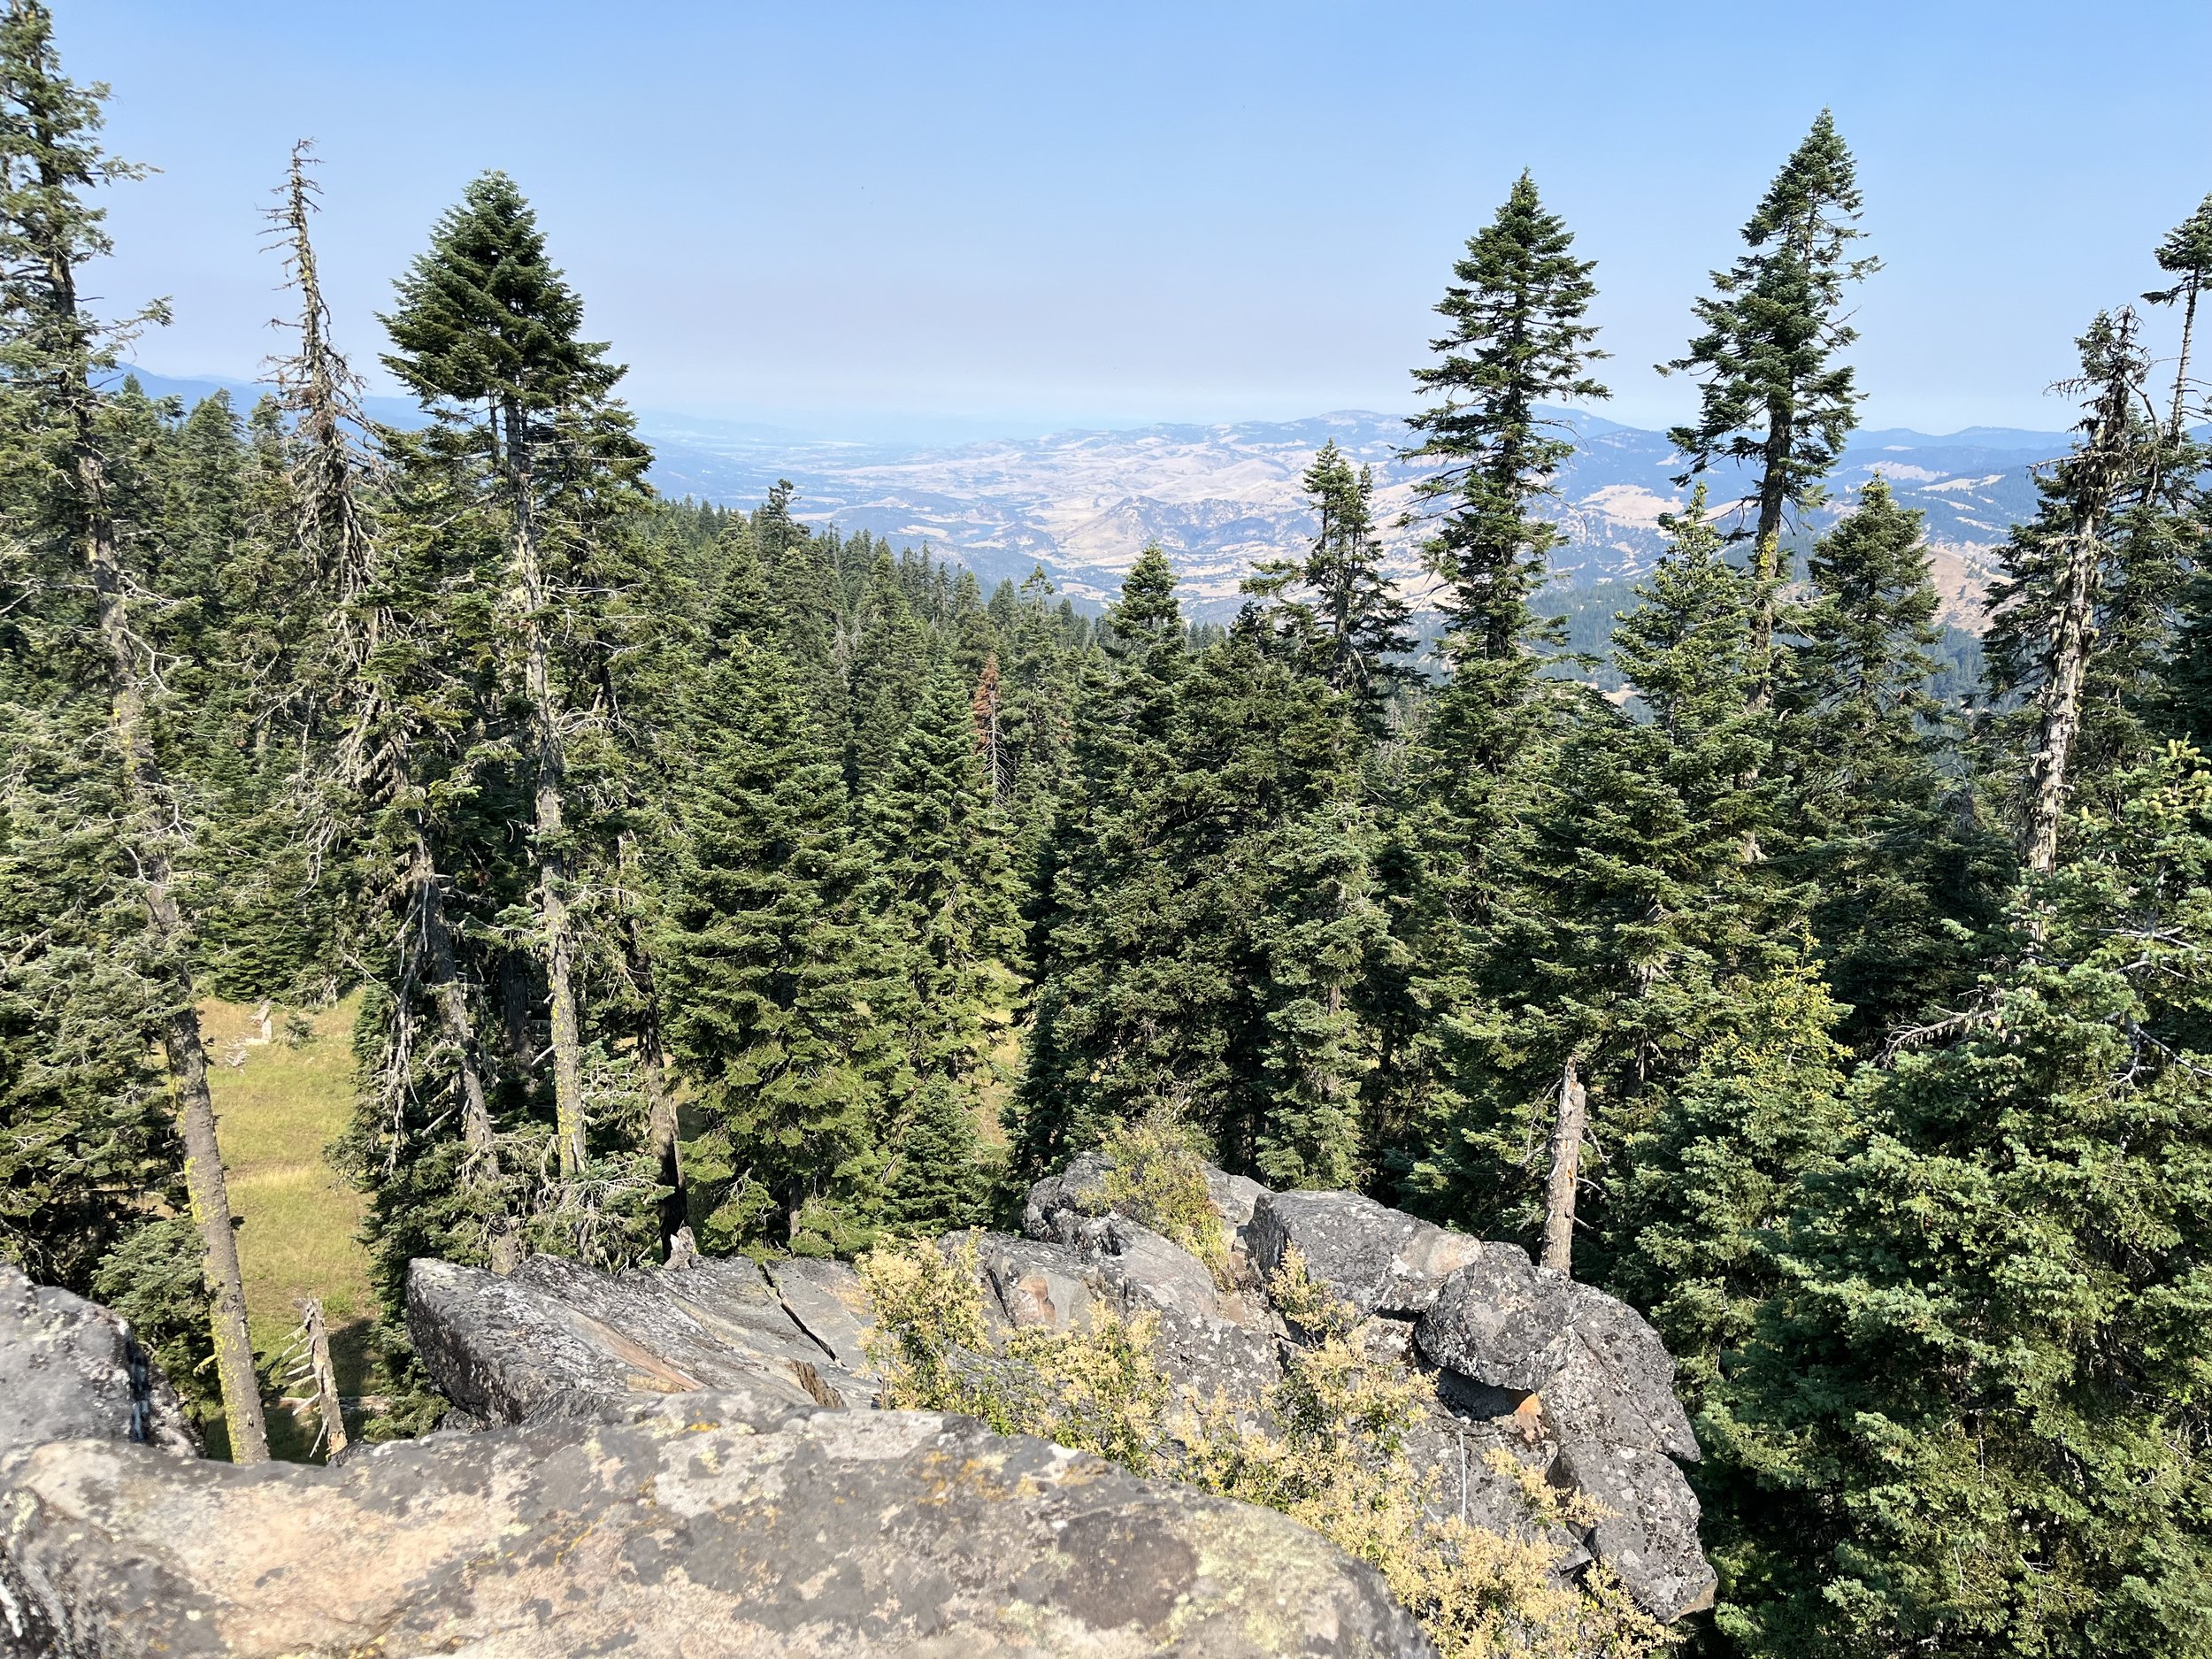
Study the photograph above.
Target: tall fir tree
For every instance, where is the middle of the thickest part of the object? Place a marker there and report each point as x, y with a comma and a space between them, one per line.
773, 968
939, 841
1901, 871
1459, 836
64, 492
1772, 395
1334, 611
1642, 912
2089, 545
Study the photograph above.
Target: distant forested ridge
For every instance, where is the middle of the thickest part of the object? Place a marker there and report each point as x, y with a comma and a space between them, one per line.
702, 870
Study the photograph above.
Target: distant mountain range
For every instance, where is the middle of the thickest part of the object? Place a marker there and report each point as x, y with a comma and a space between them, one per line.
1084, 504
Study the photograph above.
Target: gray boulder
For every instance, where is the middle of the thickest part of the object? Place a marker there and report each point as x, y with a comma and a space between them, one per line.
709, 1525
556, 1339
1379, 1260
1211, 1343
1058, 1206
1648, 1530
1599, 1370
1031, 1284
1598, 1385
70, 1369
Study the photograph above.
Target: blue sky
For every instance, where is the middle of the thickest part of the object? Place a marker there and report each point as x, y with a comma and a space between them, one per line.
948, 219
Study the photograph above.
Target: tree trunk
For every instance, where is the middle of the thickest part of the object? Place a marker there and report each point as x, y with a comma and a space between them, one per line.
2181, 366
325, 1376
2062, 701
551, 825
452, 1000
181, 1036
661, 1125
142, 779
1566, 1165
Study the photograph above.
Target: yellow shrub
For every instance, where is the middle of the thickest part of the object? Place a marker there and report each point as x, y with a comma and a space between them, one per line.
1158, 1180
1333, 1459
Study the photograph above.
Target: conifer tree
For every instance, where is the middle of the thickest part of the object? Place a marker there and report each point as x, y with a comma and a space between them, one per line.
2044, 640
484, 320
1335, 611
51, 350
773, 972
1517, 338
1641, 909
1459, 836
1772, 395
1874, 827
1976, 1411
940, 853
889, 656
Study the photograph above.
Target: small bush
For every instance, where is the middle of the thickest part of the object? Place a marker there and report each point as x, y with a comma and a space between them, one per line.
1158, 1179
1333, 1459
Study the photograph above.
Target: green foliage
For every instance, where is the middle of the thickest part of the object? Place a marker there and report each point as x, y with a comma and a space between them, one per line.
1771, 393
1974, 1409
1873, 825
772, 966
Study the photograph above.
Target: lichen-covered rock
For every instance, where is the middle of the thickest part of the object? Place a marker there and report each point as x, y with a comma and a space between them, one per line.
1598, 1367
1379, 1260
70, 1369
1454, 1451
1210, 1343
705, 1525
554, 1340
1648, 1532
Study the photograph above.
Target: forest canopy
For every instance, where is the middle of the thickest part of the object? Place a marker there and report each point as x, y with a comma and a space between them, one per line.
707, 876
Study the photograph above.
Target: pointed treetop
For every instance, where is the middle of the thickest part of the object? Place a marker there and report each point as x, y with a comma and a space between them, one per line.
486, 315
1817, 185
1147, 608
2188, 250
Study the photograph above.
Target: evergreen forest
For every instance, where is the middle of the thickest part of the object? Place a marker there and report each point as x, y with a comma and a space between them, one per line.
708, 880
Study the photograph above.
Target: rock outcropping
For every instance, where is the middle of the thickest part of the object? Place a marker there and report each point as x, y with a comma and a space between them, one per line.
690, 1461
641, 1507
1518, 1359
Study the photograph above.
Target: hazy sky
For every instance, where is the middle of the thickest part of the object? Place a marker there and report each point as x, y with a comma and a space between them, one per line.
971, 217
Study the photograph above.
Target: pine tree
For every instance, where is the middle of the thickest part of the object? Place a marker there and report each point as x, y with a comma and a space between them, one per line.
940, 857
1976, 1411
2045, 643
1772, 395
1641, 910
1458, 843
485, 319
1334, 611
773, 969
50, 349
1874, 826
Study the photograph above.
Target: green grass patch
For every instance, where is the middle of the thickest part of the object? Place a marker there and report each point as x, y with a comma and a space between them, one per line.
279, 1101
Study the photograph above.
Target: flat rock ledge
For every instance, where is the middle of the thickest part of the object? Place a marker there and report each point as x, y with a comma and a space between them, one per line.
640, 1511
706, 1525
